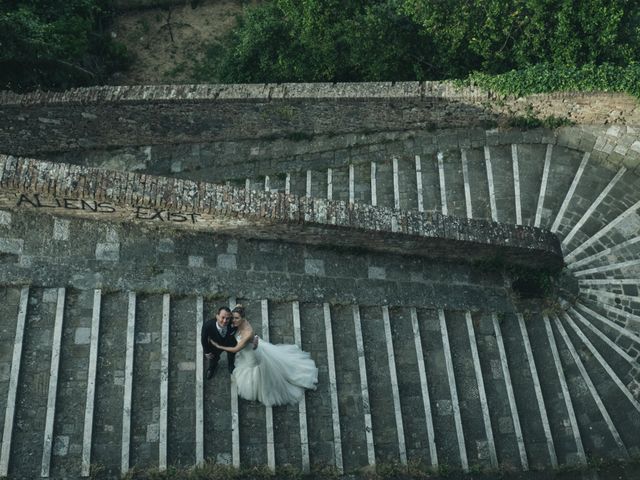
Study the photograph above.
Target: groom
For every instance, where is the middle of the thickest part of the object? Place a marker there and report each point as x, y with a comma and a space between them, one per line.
220, 330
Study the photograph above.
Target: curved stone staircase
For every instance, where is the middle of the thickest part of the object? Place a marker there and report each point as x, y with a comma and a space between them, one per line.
113, 375
584, 353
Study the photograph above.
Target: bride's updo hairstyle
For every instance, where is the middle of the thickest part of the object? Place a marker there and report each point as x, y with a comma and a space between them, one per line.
239, 309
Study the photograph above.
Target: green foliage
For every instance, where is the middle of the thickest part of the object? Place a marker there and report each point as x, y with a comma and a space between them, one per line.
494, 36
549, 77
357, 40
56, 44
313, 41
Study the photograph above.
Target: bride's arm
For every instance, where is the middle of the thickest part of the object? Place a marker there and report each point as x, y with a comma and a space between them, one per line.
238, 347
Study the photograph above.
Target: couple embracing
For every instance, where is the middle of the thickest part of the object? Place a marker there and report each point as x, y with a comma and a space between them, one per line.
271, 374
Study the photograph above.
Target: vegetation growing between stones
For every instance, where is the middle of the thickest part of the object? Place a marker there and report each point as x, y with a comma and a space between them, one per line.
531, 120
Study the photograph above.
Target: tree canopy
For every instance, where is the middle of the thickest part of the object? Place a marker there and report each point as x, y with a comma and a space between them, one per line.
356, 40
515, 45
55, 44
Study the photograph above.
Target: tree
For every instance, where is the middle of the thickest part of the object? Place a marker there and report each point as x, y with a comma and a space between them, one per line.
55, 44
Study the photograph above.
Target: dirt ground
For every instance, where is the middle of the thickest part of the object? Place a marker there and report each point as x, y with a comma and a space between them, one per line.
167, 41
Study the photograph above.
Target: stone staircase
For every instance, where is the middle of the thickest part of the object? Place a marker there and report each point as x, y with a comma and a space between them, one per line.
545, 185
114, 376
116, 379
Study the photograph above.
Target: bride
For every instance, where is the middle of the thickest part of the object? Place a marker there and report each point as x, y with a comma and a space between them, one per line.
271, 374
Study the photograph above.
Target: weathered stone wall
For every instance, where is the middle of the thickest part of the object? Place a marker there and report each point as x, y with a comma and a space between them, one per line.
107, 117
93, 193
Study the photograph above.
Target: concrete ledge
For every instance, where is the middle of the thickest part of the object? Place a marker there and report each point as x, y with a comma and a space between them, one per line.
70, 190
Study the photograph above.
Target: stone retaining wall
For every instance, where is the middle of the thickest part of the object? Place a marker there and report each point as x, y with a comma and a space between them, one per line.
71, 190
106, 117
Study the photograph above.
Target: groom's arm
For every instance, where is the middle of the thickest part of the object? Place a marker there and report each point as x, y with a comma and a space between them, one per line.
236, 348
205, 337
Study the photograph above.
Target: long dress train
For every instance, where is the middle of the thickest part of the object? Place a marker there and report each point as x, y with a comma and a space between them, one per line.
274, 374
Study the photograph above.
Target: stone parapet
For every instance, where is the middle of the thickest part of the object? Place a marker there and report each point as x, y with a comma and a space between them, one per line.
71, 190
321, 91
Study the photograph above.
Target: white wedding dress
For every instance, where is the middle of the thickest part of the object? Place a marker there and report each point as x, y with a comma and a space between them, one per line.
274, 374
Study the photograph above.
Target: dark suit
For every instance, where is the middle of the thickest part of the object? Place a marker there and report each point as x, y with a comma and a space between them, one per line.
210, 331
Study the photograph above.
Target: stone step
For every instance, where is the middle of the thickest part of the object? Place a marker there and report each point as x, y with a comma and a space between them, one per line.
618, 304
496, 377
560, 169
476, 432
627, 303
611, 226
388, 416
585, 204
446, 414
591, 433
116, 342
14, 301
537, 449
352, 388
613, 327
32, 441
619, 359
413, 383
619, 409
220, 432
553, 396
603, 266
